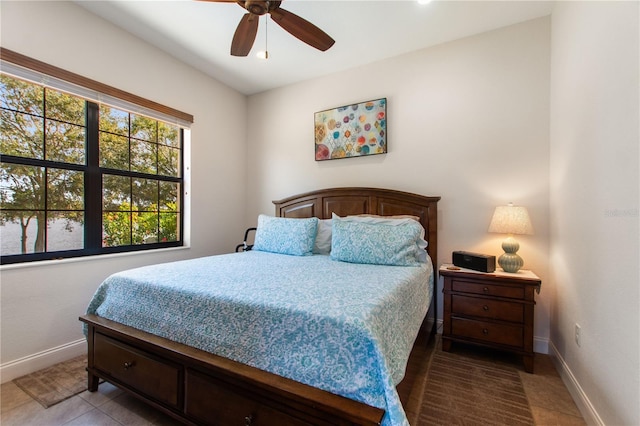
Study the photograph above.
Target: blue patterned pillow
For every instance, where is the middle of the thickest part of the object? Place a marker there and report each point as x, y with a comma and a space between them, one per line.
356, 241
285, 235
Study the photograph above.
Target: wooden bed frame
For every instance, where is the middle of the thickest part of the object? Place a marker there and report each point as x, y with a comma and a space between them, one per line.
197, 387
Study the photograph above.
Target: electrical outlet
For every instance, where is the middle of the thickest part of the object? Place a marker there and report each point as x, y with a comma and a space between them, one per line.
578, 334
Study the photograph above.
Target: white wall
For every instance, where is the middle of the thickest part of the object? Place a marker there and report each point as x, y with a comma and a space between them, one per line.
40, 304
594, 205
467, 120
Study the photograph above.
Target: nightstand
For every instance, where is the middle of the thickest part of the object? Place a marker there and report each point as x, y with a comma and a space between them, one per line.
490, 309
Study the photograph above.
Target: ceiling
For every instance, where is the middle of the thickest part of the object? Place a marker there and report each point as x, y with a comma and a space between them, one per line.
199, 33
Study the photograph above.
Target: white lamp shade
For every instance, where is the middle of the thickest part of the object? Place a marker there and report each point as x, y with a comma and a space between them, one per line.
511, 220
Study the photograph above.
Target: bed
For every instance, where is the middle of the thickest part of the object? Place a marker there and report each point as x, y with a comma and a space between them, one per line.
286, 341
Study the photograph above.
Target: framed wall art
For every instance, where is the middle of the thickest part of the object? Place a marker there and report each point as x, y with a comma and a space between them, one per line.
351, 130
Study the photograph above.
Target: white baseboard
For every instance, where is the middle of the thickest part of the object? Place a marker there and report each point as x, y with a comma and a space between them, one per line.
29, 364
540, 345
587, 409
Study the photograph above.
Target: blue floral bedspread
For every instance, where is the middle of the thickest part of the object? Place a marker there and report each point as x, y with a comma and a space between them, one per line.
342, 327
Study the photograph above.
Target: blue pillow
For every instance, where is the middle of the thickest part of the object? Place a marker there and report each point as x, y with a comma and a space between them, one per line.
285, 235
357, 241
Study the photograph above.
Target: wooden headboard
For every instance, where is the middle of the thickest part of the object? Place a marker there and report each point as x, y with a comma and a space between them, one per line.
351, 201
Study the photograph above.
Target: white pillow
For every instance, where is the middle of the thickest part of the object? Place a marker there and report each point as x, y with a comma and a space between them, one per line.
323, 237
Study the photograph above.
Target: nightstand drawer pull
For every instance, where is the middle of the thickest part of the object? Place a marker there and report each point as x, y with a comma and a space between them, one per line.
128, 365
486, 289
485, 331
485, 308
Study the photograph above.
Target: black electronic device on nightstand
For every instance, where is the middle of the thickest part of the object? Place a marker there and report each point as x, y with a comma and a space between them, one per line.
475, 261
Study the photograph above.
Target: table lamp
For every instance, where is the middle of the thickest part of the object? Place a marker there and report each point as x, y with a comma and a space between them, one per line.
512, 220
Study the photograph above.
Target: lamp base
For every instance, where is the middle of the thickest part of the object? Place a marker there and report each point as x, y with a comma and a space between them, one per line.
510, 261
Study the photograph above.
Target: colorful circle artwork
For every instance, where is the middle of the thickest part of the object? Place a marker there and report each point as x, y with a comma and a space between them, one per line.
351, 130
322, 152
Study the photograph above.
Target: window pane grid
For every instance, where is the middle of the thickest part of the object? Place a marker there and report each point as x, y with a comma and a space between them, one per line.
35, 199
139, 144
139, 211
65, 143
22, 134
45, 167
20, 96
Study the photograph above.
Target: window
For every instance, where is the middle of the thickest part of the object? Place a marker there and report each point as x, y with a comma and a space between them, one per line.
141, 163
80, 177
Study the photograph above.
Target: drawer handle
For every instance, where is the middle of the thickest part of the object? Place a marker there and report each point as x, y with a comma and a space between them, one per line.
486, 289
485, 307
128, 365
485, 331
248, 420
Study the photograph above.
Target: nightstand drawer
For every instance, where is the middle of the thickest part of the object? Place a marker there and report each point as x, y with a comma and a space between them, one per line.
503, 334
487, 308
487, 289
141, 370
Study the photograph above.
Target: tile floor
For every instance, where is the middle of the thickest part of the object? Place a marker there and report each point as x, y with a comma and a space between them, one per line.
108, 407
549, 399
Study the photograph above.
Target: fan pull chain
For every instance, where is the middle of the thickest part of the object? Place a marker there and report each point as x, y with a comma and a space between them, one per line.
266, 37
265, 54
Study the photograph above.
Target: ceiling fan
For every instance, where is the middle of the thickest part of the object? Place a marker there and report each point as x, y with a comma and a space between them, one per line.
298, 27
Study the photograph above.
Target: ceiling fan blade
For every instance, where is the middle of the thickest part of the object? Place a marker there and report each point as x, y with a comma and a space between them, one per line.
302, 29
245, 35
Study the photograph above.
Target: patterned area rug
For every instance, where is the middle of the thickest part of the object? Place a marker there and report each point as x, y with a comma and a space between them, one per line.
56, 383
464, 389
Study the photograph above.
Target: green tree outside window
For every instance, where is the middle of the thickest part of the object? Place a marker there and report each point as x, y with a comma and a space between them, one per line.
48, 178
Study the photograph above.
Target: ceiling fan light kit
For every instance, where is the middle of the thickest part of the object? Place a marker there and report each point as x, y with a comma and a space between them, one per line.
298, 27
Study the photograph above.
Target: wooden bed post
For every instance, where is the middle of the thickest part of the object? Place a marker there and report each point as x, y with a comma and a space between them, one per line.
92, 379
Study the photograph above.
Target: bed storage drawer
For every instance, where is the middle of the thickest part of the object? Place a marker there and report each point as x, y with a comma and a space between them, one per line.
142, 371
212, 402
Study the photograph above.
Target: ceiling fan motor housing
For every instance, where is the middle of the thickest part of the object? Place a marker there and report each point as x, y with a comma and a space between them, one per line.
256, 7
